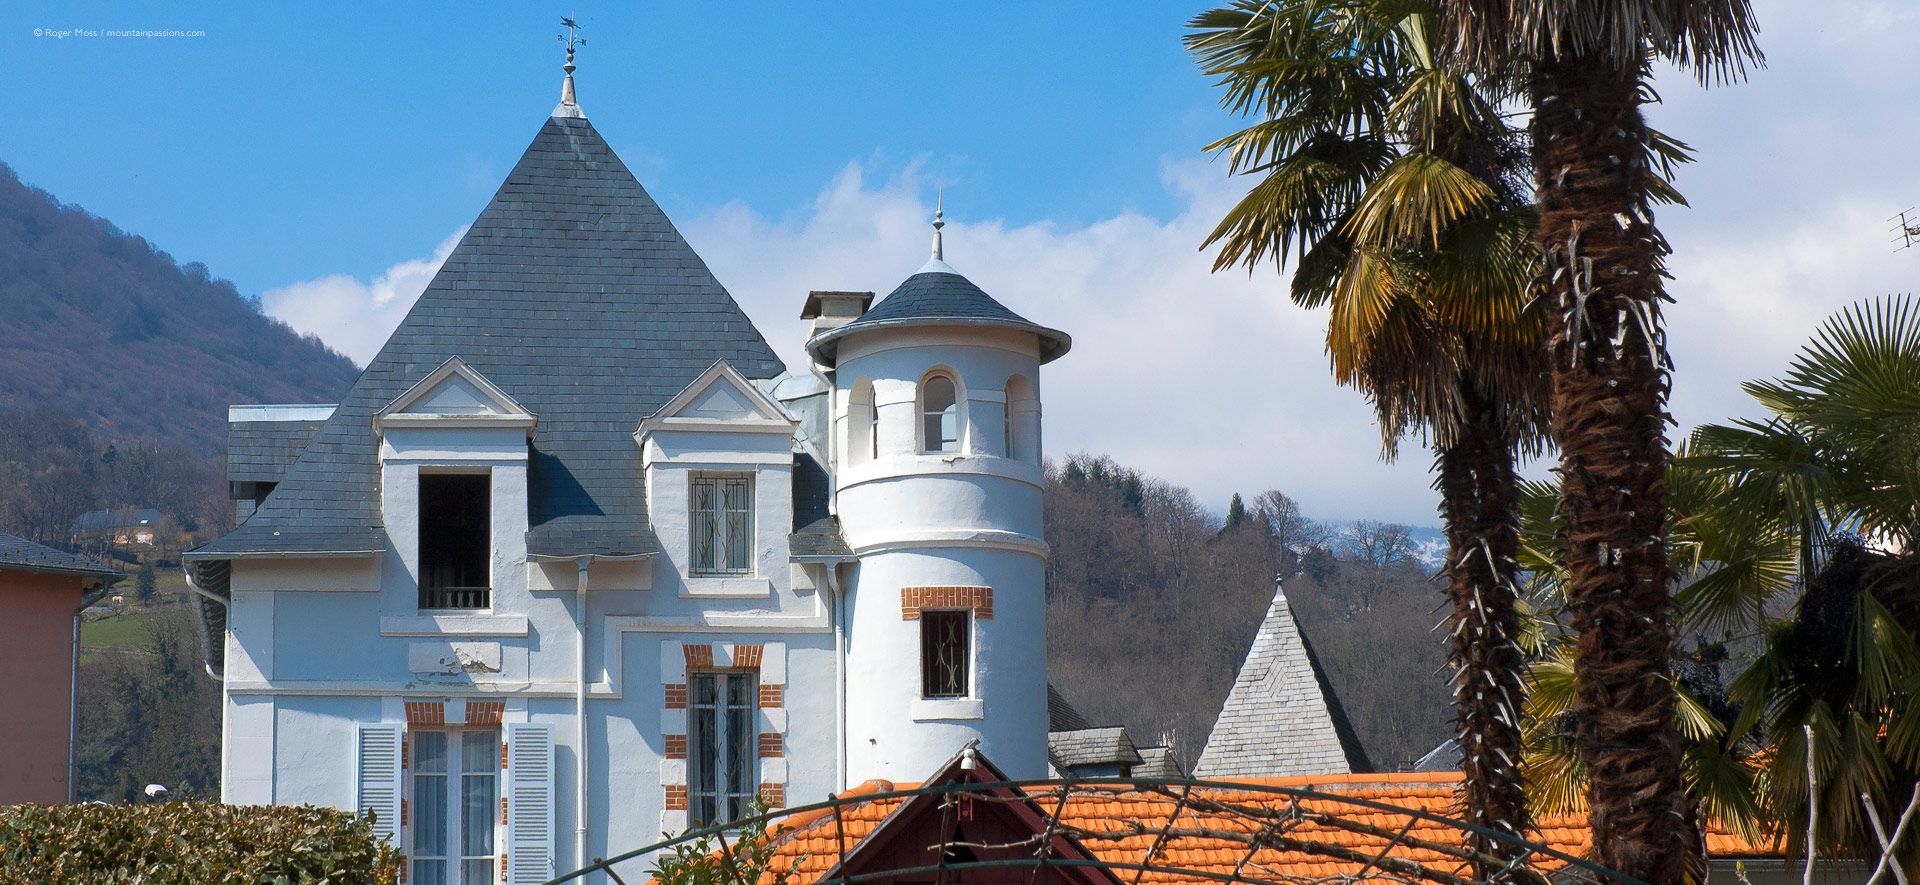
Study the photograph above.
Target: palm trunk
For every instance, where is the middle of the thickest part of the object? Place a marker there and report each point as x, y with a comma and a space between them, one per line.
1479, 503
1604, 261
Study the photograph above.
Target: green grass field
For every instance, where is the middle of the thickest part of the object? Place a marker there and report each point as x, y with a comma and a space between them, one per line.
123, 629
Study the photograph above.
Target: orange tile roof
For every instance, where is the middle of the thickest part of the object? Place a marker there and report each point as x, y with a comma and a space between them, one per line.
1120, 825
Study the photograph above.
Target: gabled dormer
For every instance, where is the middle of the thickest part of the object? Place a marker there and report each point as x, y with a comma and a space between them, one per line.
455, 396
453, 488
718, 459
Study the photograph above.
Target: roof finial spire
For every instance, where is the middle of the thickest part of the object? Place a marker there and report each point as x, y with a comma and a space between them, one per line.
938, 213
568, 107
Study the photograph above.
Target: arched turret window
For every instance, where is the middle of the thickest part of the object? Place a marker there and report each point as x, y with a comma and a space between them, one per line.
863, 423
940, 420
1023, 420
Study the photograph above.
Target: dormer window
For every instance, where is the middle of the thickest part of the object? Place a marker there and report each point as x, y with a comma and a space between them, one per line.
456, 514
939, 415
722, 524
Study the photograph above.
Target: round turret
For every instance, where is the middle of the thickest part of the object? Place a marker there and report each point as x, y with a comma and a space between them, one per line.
938, 488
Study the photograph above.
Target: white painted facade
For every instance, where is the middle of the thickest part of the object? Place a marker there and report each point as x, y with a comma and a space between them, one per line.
580, 667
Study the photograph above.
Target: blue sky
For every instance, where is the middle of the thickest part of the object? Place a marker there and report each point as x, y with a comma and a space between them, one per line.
326, 155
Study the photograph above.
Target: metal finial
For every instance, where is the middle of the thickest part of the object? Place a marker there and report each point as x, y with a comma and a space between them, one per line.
569, 107
939, 213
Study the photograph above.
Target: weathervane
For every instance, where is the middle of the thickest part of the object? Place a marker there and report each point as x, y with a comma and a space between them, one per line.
571, 37
569, 107
1906, 229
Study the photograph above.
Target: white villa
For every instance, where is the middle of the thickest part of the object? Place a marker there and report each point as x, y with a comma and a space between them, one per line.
577, 561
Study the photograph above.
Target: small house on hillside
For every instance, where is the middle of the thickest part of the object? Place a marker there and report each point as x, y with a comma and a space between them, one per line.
127, 525
42, 592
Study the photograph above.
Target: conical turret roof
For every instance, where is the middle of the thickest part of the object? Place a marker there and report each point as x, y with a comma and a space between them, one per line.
937, 295
575, 295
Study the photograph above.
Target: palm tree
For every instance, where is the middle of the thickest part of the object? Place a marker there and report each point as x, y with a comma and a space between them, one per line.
1596, 177
1395, 178
1834, 466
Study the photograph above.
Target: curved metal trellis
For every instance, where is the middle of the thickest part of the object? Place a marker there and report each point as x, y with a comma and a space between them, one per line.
1294, 823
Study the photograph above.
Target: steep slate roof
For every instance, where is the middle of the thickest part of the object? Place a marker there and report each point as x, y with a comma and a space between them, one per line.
263, 451
1158, 762
1061, 716
1280, 718
1091, 746
20, 554
937, 295
575, 294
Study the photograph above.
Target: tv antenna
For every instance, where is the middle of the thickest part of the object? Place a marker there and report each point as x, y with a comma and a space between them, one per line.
1906, 229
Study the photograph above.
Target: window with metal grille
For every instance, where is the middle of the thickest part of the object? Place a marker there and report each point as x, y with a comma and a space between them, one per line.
722, 525
945, 653
456, 521
456, 797
723, 772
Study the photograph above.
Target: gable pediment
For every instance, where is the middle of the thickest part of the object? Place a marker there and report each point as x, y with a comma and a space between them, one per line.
721, 400
452, 396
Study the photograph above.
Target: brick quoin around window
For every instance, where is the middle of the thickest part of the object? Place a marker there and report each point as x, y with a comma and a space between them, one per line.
676, 797
771, 696
485, 713
771, 746
676, 695
774, 795
676, 746
699, 657
426, 714
979, 600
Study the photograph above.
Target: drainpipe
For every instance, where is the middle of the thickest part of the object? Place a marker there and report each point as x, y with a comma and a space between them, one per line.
837, 609
73, 691
580, 714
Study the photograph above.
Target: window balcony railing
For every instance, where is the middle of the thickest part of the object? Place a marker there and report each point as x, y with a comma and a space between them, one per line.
456, 597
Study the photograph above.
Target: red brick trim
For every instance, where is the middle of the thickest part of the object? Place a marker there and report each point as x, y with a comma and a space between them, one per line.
676, 746
676, 695
747, 657
772, 695
485, 712
772, 746
699, 657
426, 714
676, 797
979, 600
774, 795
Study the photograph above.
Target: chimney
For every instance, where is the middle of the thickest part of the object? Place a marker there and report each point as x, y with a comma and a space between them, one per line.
831, 310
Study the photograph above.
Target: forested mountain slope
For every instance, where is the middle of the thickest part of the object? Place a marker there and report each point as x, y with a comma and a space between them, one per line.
103, 325
1152, 603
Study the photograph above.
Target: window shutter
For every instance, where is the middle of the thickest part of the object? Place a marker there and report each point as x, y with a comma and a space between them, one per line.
530, 803
379, 777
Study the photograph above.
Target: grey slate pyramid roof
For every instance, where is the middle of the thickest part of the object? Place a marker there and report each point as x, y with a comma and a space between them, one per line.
575, 294
20, 554
939, 296
1281, 718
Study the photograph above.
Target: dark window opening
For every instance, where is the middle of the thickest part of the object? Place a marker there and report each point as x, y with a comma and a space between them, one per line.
724, 773
261, 490
456, 513
944, 653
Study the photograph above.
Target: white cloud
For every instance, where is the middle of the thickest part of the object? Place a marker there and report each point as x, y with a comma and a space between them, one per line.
1214, 381
353, 316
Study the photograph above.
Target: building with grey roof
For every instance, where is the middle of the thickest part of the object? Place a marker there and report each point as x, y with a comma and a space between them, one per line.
577, 535
43, 592
1281, 718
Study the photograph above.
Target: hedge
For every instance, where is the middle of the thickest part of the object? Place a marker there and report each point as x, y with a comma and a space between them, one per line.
190, 843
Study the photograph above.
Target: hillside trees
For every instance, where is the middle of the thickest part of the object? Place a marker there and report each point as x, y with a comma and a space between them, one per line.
1152, 604
53, 467
1396, 177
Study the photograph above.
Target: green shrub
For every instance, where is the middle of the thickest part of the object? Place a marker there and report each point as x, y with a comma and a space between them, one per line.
190, 843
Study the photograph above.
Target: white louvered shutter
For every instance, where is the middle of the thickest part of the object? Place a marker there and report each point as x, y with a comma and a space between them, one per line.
529, 803
378, 777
